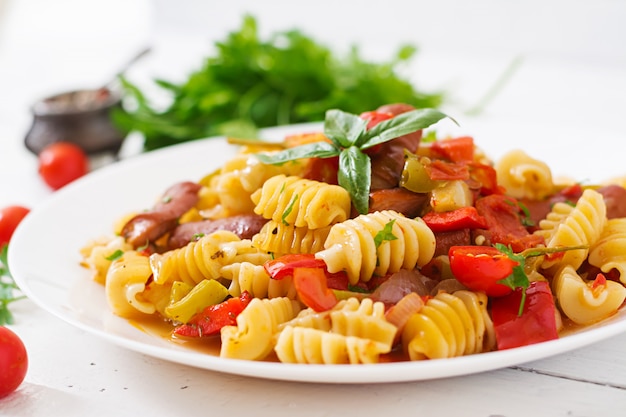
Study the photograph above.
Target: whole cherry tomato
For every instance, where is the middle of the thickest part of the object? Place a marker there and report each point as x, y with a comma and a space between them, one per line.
10, 217
61, 163
13, 361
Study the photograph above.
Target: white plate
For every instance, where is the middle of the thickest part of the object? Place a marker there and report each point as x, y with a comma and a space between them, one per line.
44, 258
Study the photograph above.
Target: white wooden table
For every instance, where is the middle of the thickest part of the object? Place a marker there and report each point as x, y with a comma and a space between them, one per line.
73, 373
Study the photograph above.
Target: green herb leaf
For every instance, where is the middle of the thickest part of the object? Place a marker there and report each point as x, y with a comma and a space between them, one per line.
8, 288
115, 255
386, 234
310, 150
344, 129
349, 136
400, 125
355, 175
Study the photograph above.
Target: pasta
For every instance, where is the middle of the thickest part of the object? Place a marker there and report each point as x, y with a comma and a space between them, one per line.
300, 202
310, 281
583, 302
253, 337
573, 226
351, 245
230, 189
203, 259
126, 279
280, 238
246, 276
523, 176
449, 325
609, 252
353, 332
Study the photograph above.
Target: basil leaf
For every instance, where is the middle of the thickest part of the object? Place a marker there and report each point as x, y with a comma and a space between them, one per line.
355, 170
344, 129
310, 150
399, 125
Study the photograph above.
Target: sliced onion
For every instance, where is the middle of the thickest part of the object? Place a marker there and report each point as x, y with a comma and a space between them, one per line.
399, 314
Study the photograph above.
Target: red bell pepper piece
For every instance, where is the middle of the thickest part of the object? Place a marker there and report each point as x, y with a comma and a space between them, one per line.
461, 218
211, 320
480, 268
459, 149
312, 288
537, 323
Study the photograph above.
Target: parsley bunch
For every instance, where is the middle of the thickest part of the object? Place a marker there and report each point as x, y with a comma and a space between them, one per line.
253, 83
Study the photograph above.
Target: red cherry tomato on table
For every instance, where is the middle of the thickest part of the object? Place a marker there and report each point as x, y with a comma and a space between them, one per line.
13, 361
61, 163
480, 268
10, 217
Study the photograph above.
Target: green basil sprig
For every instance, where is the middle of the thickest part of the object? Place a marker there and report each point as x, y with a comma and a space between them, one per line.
349, 138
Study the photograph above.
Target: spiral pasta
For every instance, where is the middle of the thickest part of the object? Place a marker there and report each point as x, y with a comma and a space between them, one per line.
300, 202
246, 276
352, 332
449, 325
203, 259
281, 239
609, 252
253, 336
97, 255
523, 176
351, 245
573, 226
239, 177
586, 302
125, 281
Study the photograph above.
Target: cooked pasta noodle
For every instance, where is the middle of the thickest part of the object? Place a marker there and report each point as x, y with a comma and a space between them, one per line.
311, 346
449, 325
609, 252
351, 245
300, 202
523, 176
583, 302
567, 226
97, 255
253, 336
203, 259
125, 281
280, 239
352, 332
246, 276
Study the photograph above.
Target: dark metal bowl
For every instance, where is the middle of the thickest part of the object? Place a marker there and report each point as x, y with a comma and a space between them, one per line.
82, 117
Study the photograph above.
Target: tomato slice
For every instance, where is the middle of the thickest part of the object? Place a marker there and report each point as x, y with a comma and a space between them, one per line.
480, 268
459, 149
312, 288
211, 320
284, 266
537, 323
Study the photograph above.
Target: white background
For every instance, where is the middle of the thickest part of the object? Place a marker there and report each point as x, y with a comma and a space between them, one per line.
565, 103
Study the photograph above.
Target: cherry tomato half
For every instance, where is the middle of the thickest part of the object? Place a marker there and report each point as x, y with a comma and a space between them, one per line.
480, 268
13, 361
61, 163
10, 217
